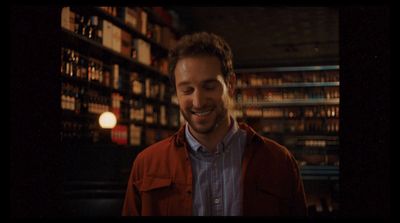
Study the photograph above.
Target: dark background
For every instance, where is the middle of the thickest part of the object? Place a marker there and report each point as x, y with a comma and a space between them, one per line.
37, 161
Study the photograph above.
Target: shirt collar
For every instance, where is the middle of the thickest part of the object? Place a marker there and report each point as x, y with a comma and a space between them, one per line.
196, 145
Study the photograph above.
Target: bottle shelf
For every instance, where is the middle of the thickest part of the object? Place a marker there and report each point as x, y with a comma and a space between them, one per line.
92, 47
311, 172
300, 133
69, 115
288, 69
329, 150
290, 102
285, 119
299, 108
118, 22
156, 19
294, 85
94, 85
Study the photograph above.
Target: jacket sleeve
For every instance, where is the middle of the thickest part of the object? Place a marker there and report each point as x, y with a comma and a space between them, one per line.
132, 203
298, 205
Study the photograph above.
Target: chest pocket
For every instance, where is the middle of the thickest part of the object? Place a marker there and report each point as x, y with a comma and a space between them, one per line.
154, 183
155, 193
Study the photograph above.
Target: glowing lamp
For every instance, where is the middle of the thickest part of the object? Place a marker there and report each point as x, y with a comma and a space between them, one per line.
107, 120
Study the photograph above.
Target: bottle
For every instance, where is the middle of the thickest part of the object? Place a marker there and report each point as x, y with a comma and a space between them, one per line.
90, 29
106, 78
83, 68
100, 73
82, 26
77, 65
77, 100
77, 23
63, 61
83, 100
99, 29
91, 70
68, 64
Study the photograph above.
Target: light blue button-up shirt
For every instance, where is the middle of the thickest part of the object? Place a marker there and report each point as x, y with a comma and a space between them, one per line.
216, 176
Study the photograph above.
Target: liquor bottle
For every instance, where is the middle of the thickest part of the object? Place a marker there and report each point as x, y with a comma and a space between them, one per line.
83, 68
77, 23
99, 29
82, 26
69, 63
106, 76
77, 97
90, 28
63, 61
92, 70
83, 100
101, 73
76, 66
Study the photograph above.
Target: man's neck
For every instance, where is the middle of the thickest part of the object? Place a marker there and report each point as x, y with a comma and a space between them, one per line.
211, 140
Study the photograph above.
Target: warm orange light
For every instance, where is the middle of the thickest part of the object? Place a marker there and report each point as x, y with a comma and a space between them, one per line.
107, 120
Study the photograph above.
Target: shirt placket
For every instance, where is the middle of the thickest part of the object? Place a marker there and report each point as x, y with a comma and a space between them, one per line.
216, 187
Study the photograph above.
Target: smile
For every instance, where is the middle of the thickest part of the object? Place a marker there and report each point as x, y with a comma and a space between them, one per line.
202, 113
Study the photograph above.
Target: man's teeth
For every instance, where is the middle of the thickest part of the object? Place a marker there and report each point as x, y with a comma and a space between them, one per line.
202, 113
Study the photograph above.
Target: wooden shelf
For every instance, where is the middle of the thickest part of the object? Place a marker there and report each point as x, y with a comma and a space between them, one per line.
290, 102
294, 85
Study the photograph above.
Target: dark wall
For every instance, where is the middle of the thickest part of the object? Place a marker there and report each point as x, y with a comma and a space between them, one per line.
365, 111
36, 160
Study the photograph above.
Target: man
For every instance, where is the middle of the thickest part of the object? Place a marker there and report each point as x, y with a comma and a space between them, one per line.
212, 165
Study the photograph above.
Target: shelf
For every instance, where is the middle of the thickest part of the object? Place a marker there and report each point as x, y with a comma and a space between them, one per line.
303, 134
309, 172
291, 102
94, 85
74, 80
287, 69
329, 150
294, 85
72, 115
287, 119
334, 137
156, 19
118, 22
92, 117
96, 48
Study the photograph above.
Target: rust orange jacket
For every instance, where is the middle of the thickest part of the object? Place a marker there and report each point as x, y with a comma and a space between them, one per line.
160, 182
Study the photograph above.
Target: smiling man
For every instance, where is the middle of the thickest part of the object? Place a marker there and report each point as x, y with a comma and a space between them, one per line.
204, 98
213, 166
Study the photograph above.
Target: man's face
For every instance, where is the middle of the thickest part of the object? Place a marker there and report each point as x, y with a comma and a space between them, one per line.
202, 93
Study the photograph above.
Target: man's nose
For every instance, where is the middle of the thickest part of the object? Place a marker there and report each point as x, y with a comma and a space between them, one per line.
198, 99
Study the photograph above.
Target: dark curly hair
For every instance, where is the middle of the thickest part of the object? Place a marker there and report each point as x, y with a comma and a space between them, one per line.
201, 44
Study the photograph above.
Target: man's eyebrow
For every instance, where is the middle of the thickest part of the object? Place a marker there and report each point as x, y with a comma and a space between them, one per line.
210, 80
184, 83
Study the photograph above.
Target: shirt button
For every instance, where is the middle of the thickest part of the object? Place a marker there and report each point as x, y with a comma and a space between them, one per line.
216, 201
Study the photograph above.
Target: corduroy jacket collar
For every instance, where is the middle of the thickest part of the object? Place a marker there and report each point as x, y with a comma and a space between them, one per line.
181, 141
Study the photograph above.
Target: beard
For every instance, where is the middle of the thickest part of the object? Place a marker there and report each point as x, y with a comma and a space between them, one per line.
207, 126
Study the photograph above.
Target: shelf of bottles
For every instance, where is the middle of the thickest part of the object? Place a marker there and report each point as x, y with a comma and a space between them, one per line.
114, 59
299, 108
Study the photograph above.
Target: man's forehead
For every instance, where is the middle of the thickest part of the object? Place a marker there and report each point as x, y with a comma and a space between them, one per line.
217, 78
